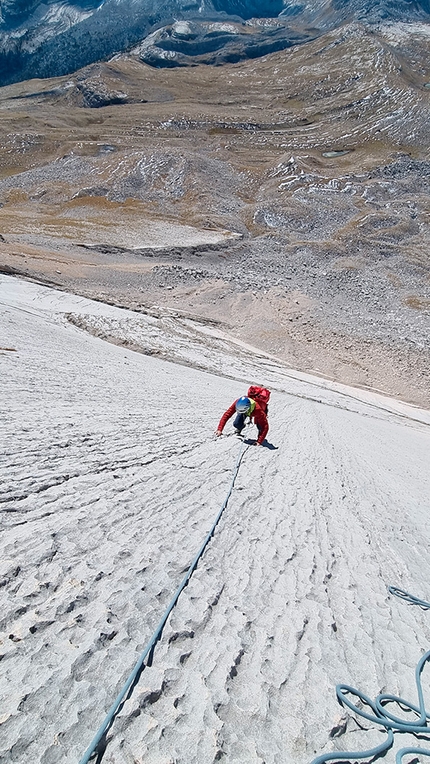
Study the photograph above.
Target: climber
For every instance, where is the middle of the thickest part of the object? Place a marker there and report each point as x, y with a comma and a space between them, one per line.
253, 407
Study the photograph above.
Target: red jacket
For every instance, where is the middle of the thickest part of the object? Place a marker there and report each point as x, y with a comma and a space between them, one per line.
258, 415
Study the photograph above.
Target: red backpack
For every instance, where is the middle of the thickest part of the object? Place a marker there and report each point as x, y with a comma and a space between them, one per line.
259, 394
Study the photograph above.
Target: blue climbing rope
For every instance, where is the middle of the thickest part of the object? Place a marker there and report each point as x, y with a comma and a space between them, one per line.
404, 751
408, 597
98, 743
380, 715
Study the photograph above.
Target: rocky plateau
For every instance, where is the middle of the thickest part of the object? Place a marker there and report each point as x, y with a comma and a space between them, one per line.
284, 197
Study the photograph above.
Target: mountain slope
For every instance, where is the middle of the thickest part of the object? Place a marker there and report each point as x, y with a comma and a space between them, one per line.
47, 40
286, 197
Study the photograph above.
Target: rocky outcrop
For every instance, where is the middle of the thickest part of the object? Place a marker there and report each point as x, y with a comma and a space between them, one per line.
208, 42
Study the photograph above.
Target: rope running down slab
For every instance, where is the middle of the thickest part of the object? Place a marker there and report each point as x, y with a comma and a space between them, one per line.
98, 743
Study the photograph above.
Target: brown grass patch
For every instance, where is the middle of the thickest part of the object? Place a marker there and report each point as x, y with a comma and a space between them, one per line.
17, 195
418, 303
394, 279
348, 263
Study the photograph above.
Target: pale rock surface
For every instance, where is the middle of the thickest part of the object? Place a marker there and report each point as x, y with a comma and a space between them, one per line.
110, 480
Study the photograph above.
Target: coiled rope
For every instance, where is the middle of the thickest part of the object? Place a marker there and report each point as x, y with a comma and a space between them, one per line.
98, 743
380, 715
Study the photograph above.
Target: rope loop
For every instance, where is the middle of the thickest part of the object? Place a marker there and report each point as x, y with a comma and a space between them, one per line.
404, 751
408, 597
369, 754
381, 716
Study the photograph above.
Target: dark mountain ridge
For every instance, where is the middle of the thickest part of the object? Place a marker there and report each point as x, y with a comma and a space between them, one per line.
56, 38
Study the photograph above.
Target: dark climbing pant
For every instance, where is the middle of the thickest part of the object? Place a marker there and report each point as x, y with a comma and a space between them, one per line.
239, 423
